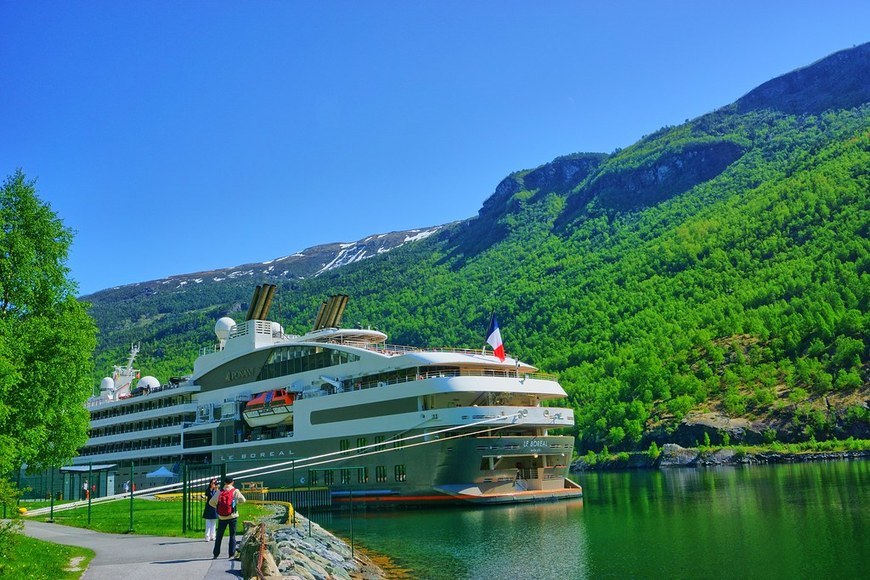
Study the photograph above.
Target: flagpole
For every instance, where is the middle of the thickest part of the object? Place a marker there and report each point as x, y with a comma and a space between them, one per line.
483, 350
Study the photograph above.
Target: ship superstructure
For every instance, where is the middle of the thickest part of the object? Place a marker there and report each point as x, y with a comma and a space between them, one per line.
343, 409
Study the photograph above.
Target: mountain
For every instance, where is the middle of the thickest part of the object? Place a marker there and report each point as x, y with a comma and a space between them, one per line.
709, 279
310, 262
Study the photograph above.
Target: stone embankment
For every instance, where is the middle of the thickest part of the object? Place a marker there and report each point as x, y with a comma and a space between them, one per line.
676, 456
302, 552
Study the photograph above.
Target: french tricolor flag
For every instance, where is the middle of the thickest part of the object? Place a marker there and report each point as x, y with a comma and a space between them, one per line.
493, 338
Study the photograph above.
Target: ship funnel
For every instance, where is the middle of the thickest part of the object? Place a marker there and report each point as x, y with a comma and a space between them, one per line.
254, 298
267, 303
320, 315
261, 302
331, 311
342, 300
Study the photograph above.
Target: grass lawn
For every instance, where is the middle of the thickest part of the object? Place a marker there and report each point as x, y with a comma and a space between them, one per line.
150, 517
23, 557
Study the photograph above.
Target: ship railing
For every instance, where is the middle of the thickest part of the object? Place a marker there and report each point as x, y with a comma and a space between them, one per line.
134, 394
446, 373
395, 349
209, 349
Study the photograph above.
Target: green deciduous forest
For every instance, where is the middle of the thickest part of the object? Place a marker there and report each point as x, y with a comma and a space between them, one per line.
719, 267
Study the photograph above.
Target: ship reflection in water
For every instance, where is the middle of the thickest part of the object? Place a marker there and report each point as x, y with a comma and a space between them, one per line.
542, 540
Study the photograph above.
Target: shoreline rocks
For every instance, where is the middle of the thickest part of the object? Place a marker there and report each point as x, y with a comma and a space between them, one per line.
305, 551
673, 455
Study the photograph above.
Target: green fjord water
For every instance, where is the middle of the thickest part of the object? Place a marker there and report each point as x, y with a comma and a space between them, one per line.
782, 521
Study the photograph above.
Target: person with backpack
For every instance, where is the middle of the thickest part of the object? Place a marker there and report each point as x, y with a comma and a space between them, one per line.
226, 503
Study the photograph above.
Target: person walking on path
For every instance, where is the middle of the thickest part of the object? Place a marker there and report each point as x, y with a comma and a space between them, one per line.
226, 503
209, 513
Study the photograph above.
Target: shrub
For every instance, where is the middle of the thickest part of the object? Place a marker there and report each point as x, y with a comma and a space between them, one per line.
798, 395
734, 402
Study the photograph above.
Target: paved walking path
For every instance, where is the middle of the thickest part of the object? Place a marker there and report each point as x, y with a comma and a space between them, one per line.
133, 557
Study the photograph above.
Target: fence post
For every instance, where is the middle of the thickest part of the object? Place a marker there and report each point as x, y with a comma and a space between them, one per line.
132, 487
185, 497
88, 492
293, 495
51, 497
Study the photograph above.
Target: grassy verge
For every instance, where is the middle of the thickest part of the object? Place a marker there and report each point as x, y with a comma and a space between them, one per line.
23, 557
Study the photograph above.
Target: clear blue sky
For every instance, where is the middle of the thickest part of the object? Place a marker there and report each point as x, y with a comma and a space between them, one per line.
177, 137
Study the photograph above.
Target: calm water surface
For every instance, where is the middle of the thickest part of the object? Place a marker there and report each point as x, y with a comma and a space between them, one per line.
782, 521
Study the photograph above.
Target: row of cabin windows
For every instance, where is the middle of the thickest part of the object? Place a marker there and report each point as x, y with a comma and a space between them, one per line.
141, 425
144, 406
361, 442
290, 360
136, 445
345, 476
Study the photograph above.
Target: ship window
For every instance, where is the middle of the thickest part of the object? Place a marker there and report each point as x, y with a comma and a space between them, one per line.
365, 411
344, 445
345, 476
360, 443
290, 360
328, 477
381, 473
313, 477
362, 475
379, 439
399, 471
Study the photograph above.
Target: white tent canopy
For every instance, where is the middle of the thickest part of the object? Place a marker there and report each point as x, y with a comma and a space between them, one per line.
162, 472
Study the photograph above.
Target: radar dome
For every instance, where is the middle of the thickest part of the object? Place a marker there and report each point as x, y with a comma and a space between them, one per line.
107, 384
277, 329
148, 382
223, 326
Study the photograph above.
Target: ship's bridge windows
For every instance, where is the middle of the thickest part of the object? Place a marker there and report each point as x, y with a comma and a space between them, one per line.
429, 372
484, 399
289, 360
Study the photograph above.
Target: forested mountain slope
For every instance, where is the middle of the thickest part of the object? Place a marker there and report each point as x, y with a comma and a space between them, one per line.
712, 272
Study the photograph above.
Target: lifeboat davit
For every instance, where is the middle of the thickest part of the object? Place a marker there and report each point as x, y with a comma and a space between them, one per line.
270, 408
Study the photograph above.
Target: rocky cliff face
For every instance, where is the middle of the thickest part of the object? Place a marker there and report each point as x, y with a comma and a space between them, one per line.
838, 81
561, 175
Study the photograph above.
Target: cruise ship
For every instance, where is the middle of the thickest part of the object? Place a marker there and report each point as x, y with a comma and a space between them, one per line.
341, 409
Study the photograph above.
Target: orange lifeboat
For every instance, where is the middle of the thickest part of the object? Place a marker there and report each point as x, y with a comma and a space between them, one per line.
270, 408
